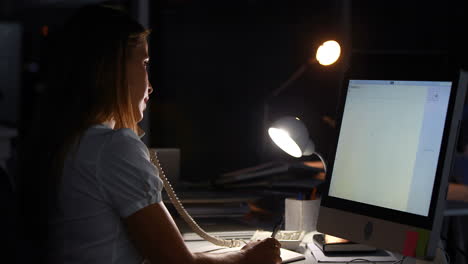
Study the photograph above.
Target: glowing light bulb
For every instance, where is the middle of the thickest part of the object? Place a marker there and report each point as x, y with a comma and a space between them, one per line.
285, 142
328, 53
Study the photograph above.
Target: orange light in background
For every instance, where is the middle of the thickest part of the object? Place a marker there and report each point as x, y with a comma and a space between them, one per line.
45, 30
328, 53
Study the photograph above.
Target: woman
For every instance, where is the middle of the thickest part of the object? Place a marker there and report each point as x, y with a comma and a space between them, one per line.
104, 195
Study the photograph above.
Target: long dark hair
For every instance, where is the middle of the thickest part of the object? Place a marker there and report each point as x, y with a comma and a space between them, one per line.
85, 85
87, 82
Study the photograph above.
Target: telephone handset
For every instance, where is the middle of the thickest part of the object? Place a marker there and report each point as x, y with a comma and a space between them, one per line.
181, 210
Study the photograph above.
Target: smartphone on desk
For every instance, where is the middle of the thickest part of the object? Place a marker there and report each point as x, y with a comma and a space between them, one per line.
331, 244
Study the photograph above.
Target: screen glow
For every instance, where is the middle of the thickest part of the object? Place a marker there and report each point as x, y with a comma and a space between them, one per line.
389, 143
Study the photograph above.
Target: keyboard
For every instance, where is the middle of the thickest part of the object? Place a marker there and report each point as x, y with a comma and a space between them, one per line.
244, 234
289, 235
288, 239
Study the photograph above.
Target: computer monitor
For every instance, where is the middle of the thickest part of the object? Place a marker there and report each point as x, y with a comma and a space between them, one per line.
388, 173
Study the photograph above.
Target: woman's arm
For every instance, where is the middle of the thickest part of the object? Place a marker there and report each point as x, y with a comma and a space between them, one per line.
457, 192
157, 237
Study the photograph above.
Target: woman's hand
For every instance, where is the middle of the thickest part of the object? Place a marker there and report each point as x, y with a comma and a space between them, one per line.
265, 251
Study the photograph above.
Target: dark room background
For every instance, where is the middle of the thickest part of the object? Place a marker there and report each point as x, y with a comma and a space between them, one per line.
213, 64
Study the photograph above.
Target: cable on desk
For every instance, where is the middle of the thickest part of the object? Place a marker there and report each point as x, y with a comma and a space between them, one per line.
360, 260
369, 261
447, 256
400, 261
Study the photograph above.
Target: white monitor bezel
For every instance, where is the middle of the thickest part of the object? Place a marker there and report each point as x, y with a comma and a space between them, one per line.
386, 228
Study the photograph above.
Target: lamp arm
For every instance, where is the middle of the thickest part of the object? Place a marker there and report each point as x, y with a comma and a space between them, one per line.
291, 79
323, 161
275, 93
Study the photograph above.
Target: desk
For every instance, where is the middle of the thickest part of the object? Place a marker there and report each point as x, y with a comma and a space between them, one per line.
221, 225
310, 259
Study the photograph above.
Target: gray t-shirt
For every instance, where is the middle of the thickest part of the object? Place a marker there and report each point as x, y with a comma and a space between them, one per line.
108, 178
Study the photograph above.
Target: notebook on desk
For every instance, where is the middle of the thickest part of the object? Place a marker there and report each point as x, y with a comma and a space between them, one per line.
286, 255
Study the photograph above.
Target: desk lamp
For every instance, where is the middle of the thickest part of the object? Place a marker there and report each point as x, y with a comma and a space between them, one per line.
327, 54
290, 134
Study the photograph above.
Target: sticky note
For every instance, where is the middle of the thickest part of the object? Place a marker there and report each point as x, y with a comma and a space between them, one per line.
423, 239
411, 242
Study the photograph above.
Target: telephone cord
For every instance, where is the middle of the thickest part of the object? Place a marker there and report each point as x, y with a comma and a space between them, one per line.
185, 215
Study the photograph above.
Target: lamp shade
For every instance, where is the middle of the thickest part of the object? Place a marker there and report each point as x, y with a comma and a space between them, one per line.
290, 134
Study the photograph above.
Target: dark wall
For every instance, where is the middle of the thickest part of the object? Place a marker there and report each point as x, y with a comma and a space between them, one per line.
213, 65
